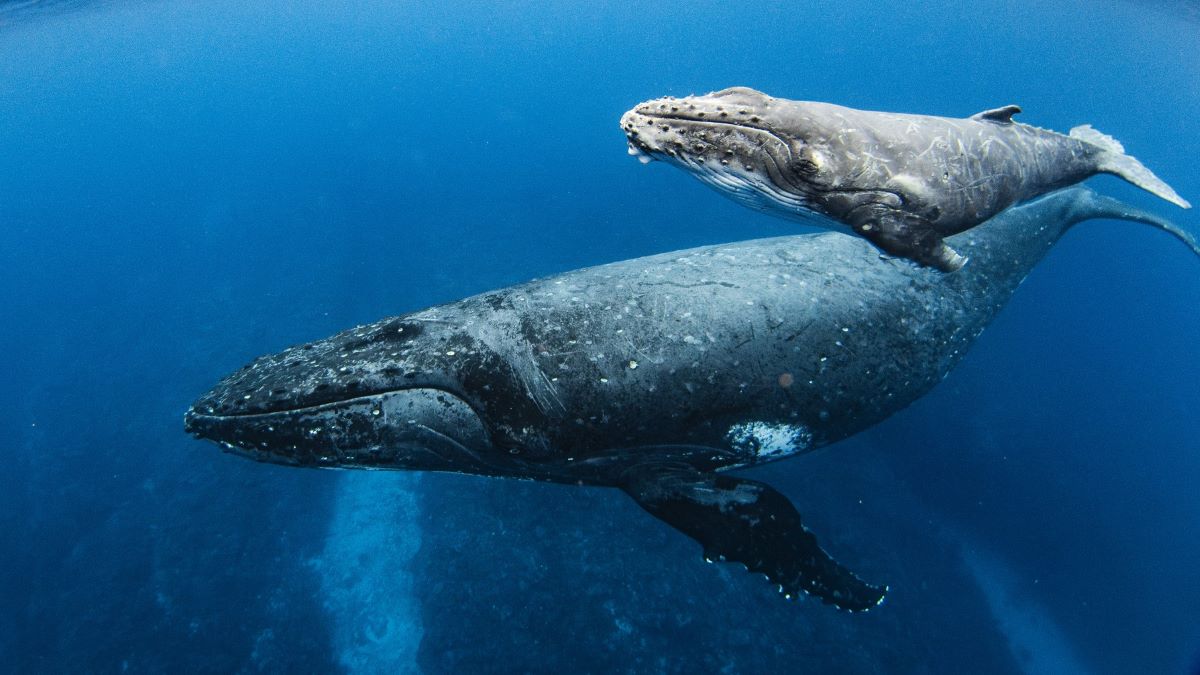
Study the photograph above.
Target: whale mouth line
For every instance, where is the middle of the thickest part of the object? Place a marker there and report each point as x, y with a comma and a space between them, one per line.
193, 412
421, 427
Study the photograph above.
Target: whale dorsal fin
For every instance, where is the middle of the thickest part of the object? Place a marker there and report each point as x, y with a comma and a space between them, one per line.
740, 520
998, 115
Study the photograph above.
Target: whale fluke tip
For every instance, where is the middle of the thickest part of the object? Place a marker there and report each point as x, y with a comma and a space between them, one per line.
1107, 207
1116, 162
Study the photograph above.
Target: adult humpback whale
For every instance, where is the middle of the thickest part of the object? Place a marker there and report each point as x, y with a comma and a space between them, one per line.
653, 375
902, 181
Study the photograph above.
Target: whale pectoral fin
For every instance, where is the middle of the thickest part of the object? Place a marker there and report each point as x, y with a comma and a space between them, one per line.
945, 258
740, 520
916, 240
998, 115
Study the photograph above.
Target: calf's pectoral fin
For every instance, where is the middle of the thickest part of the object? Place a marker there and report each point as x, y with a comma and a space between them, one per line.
909, 238
740, 520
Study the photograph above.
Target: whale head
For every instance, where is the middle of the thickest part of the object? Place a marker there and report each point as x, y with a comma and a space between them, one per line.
370, 397
739, 141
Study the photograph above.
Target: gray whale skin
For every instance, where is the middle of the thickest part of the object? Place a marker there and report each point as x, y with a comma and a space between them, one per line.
654, 375
902, 181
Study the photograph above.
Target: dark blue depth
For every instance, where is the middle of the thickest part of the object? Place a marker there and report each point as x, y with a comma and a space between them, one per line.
187, 185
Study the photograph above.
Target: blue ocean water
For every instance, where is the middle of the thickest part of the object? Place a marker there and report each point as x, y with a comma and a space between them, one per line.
185, 186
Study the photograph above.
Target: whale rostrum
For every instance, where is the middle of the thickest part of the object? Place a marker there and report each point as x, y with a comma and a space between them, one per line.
658, 376
904, 182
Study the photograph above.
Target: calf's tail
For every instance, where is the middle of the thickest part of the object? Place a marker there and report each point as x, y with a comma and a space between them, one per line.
1115, 161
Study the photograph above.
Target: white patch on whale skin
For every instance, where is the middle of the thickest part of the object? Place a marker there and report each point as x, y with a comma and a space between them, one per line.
769, 440
912, 186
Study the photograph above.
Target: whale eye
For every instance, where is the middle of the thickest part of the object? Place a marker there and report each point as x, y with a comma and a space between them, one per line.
802, 167
392, 332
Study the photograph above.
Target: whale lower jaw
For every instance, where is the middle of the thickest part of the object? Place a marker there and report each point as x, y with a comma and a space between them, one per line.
748, 187
418, 428
753, 190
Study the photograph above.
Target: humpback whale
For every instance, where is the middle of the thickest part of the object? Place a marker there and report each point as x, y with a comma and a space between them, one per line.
657, 376
904, 182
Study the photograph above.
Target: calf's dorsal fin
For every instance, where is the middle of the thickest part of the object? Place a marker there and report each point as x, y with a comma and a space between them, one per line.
998, 115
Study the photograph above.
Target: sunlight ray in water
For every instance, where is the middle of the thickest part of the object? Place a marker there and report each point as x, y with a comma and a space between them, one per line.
1036, 641
373, 536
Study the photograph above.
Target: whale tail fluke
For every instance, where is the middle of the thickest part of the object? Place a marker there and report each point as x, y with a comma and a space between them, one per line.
1100, 206
1116, 162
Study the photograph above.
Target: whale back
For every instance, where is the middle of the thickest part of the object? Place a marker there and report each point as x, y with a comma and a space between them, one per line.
714, 357
741, 353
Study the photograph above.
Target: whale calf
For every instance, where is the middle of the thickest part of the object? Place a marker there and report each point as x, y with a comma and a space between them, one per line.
655, 375
904, 182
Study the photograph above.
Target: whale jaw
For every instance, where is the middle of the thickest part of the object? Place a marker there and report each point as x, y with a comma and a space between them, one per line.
743, 160
415, 429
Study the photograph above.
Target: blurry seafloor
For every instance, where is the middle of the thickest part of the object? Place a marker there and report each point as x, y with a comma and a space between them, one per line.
184, 186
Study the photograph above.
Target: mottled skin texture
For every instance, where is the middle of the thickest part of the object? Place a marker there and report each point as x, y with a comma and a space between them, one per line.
901, 181
638, 374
